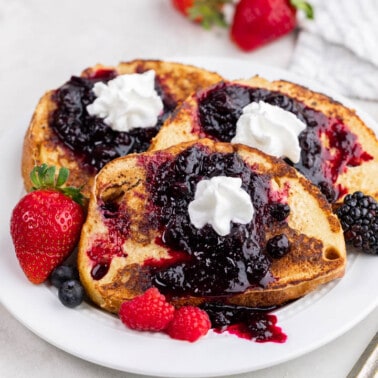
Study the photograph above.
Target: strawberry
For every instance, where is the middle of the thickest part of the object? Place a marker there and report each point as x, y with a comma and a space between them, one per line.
205, 12
147, 312
257, 22
189, 323
46, 223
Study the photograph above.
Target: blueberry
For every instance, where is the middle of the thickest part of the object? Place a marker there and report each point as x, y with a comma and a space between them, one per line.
279, 211
63, 273
71, 293
278, 246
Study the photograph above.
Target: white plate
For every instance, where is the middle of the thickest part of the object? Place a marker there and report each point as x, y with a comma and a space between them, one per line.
99, 337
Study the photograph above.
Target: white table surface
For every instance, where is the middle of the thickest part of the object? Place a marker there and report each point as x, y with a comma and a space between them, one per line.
43, 42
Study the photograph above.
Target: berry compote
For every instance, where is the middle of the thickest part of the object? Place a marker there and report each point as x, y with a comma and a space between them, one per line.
221, 107
203, 263
246, 322
214, 265
93, 142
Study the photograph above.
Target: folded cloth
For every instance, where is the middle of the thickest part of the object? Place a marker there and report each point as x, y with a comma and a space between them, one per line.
339, 47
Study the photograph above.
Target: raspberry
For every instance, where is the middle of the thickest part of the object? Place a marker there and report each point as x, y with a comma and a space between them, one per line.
189, 323
147, 312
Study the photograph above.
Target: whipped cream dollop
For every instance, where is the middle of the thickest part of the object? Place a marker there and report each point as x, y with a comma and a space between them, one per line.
270, 129
127, 102
218, 201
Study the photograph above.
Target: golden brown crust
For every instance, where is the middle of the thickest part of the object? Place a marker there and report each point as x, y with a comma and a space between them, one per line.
182, 126
317, 245
42, 146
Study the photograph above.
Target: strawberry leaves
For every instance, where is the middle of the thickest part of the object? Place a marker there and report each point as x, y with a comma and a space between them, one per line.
305, 7
208, 12
44, 177
255, 22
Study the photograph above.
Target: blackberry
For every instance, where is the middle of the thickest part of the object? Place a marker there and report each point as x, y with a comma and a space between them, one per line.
359, 219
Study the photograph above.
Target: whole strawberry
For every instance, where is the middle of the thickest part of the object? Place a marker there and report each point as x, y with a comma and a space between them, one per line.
46, 223
258, 22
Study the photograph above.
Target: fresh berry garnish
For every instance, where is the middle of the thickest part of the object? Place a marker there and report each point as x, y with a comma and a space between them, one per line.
359, 219
147, 312
278, 246
258, 22
46, 223
71, 293
63, 273
189, 323
253, 23
44, 177
205, 12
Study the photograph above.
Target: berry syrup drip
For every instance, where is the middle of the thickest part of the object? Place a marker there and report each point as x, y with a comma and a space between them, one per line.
237, 258
94, 142
255, 324
107, 246
321, 162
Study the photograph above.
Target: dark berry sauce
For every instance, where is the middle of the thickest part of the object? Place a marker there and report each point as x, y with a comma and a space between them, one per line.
200, 262
239, 257
255, 324
93, 142
221, 107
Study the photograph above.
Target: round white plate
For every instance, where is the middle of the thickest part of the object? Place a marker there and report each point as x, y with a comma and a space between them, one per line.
100, 337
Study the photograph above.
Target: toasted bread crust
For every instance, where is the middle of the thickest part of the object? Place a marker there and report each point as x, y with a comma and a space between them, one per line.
184, 121
317, 245
41, 145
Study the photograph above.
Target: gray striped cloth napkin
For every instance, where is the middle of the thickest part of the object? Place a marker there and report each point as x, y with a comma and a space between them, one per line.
339, 48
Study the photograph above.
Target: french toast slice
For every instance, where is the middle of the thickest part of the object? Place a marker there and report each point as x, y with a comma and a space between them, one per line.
61, 132
339, 152
138, 232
